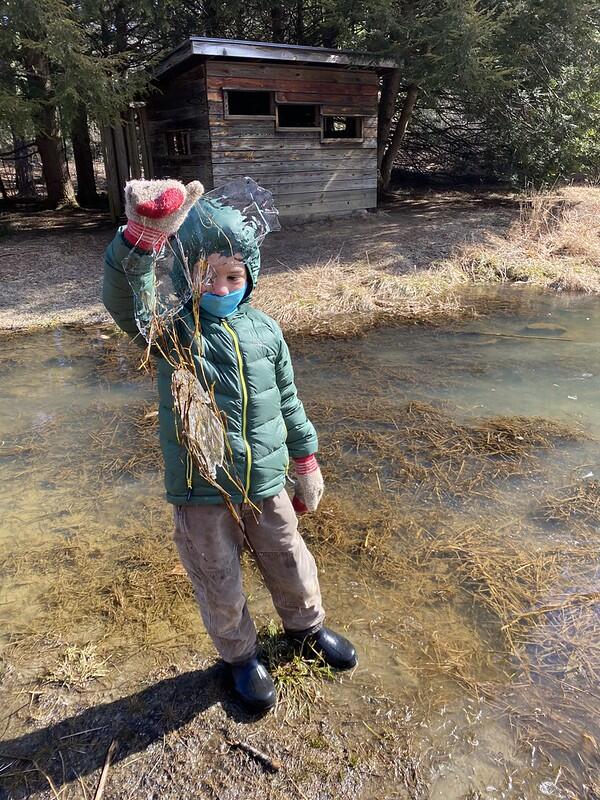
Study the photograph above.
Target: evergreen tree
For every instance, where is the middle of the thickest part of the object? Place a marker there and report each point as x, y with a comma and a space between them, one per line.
48, 72
514, 84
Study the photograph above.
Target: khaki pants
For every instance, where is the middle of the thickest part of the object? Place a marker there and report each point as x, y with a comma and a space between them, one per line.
210, 542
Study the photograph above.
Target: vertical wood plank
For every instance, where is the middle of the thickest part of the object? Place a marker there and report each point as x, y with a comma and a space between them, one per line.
112, 174
131, 141
145, 143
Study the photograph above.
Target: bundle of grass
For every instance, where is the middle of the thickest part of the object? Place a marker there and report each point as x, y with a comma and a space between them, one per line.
76, 666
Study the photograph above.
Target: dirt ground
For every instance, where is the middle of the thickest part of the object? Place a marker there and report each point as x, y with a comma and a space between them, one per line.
51, 262
180, 735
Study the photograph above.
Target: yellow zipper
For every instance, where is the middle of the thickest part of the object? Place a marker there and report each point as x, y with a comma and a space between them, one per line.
236, 344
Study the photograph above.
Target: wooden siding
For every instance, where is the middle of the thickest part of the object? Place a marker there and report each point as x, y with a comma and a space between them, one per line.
181, 105
308, 177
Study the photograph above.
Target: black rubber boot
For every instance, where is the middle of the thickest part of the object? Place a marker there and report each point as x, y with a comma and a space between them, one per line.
335, 650
253, 685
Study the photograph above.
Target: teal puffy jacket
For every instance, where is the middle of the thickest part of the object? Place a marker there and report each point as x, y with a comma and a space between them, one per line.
244, 357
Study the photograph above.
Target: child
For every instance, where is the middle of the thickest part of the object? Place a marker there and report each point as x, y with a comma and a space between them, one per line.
242, 355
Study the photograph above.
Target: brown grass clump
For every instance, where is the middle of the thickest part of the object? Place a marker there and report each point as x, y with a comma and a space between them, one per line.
299, 681
334, 299
77, 667
555, 244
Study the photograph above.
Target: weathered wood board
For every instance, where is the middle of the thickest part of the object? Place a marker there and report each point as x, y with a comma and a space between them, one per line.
181, 106
306, 175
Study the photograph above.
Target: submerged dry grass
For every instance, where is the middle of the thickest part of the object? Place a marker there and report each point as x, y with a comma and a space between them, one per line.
576, 506
463, 586
437, 457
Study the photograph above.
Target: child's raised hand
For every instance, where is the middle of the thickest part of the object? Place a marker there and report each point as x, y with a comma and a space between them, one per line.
156, 209
308, 486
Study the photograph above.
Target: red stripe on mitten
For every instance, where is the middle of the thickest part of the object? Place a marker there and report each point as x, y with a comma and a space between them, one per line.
144, 238
308, 486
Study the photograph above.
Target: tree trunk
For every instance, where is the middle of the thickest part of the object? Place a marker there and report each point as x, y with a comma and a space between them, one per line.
84, 163
54, 169
329, 35
23, 168
387, 108
277, 23
211, 18
387, 163
120, 28
54, 164
300, 22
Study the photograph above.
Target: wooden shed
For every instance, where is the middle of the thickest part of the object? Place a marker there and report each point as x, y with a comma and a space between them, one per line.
301, 121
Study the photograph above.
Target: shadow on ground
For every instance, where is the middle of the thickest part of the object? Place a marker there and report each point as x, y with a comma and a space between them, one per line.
77, 746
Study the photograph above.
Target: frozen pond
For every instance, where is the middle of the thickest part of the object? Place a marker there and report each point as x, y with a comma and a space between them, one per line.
457, 543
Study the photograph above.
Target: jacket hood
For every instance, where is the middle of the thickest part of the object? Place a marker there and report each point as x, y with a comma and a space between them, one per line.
212, 226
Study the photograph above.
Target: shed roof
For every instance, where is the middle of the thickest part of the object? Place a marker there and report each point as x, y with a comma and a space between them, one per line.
234, 48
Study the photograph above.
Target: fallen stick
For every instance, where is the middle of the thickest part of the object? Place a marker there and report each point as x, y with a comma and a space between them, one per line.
272, 764
102, 782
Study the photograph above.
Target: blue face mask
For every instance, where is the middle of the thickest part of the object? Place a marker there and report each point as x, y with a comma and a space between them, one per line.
222, 306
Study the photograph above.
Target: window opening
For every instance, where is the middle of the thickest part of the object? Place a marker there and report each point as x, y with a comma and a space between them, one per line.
335, 127
239, 103
294, 115
178, 143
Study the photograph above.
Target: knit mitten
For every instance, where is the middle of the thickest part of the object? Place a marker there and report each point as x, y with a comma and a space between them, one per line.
156, 209
308, 486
